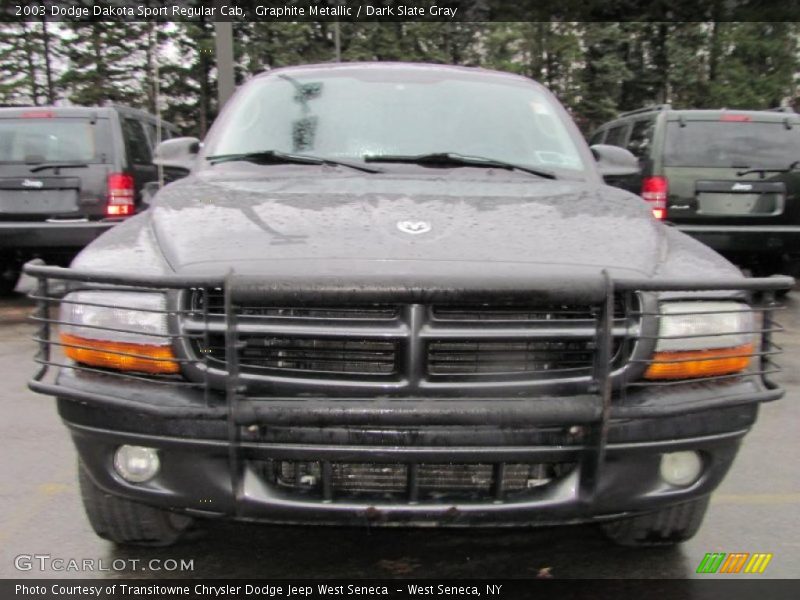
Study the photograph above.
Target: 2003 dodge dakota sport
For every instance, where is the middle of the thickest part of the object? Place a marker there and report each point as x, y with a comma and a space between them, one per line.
401, 295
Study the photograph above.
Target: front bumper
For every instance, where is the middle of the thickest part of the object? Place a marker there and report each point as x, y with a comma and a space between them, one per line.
760, 239
198, 477
212, 460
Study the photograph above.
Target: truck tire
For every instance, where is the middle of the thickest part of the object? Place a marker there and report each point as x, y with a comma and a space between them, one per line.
665, 527
125, 522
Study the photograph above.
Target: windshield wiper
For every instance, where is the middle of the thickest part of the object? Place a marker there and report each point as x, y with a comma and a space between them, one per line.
458, 160
748, 170
57, 165
276, 157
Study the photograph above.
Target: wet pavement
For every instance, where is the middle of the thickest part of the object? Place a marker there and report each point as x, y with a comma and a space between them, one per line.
757, 509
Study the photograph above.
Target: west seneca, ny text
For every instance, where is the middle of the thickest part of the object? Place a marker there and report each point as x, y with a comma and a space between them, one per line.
285, 590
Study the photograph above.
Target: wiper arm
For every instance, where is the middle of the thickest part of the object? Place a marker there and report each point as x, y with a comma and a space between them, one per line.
748, 170
458, 160
54, 165
276, 157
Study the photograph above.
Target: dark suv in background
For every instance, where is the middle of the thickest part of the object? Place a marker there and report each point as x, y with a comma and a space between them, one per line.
729, 178
66, 176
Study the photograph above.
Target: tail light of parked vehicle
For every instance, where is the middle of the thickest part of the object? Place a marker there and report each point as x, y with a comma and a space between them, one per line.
736, 118
37, 114
120, 195
654, 191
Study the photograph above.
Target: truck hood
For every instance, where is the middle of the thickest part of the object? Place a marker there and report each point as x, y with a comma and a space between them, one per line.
320, 225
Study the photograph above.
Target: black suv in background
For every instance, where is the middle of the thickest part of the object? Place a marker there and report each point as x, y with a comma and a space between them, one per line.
729, 178
66, 176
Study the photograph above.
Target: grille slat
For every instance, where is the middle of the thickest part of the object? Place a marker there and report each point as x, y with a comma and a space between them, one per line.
364, 313
321, 354
488, 312
216, 306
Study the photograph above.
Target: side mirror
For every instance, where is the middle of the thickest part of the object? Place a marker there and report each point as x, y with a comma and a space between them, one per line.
177, 153
613, 161
148, 191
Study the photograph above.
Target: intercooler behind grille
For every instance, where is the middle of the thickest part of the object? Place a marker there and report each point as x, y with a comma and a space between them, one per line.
493, 357
430, 481
351, 356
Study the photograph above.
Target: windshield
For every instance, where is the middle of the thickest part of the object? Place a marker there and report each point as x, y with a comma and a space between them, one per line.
397, 114
731, 144
38, 140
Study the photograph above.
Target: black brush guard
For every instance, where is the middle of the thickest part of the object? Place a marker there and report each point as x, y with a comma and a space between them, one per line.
609, 395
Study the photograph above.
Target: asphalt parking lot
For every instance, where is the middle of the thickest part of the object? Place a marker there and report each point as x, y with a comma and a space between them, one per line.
755, 510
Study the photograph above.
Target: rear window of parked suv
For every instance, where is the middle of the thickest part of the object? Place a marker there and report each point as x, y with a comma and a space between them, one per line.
738, 144
36, 140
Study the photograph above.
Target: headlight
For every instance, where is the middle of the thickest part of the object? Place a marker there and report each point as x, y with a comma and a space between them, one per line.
702, 339
118, 330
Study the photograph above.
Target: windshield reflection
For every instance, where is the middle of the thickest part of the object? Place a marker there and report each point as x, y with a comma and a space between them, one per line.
351, 116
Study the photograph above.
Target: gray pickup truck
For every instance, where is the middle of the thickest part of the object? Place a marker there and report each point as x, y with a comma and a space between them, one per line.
401, 294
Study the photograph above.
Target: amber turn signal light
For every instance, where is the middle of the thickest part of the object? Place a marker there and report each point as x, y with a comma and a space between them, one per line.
699, 363
119, 355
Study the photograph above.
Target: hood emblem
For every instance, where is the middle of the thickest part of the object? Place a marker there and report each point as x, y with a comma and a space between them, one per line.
741, 187
414, 227
32, 183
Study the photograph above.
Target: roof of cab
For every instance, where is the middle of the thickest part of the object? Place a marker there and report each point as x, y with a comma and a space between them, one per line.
398, 67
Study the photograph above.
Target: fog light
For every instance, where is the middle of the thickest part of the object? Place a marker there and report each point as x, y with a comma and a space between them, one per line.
681, 468
136, 463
